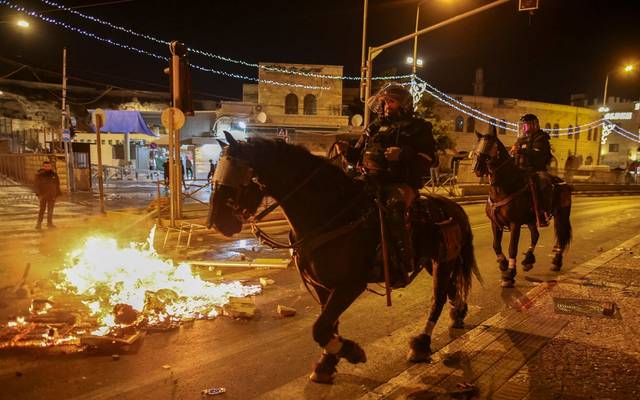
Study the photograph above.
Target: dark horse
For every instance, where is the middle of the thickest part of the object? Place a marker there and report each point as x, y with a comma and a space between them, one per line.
335, 235
510, 206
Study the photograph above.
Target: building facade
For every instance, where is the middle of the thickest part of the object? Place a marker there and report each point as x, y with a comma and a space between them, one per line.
581, 143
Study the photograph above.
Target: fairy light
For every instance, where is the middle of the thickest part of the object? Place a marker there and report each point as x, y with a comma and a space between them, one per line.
151, 54
209, 54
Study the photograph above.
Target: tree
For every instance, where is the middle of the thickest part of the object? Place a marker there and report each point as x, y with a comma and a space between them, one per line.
426, 110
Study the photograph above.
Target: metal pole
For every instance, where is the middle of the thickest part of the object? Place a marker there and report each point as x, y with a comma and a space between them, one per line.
99, 124
176, 172
604, 107
364, 47
376, 50
415, 40
367, 91
172, 174
63, 122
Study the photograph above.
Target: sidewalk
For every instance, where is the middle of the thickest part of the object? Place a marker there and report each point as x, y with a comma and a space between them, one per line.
556, 341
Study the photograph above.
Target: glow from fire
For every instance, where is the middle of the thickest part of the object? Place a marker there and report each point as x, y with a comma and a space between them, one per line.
106, 275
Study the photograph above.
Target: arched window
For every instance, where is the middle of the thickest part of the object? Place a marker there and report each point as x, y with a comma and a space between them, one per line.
577, 133
459, 124
589, 135
547, 127
291, 104
556, 133
570, 132
471, 124
595, 134
310, 105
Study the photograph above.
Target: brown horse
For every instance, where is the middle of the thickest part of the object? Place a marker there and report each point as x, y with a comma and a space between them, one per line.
336, 236
510, 206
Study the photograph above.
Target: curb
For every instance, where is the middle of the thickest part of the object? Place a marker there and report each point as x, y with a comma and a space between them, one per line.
410, 374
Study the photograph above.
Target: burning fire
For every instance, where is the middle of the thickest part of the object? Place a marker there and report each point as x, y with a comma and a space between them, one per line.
134, 286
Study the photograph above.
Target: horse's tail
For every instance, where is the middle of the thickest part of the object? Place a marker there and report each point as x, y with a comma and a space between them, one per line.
562, 213
468, 268
562, 226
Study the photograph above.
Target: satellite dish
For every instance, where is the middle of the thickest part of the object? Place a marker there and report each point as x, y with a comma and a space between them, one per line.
356, 120
261, 117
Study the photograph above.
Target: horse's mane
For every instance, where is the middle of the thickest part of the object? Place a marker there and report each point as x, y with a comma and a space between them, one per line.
298, 156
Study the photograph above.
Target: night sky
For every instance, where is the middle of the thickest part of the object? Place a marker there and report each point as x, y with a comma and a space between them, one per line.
565, 47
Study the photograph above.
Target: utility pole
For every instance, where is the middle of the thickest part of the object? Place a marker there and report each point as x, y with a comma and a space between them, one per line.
374, 51
364, 51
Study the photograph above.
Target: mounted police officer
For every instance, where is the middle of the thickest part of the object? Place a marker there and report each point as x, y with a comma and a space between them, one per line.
395, 152
532, 151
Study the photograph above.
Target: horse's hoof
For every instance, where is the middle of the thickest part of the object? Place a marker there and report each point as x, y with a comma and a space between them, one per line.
352, 352
507, 283
420, 349
457, 324
527, 267
322, 377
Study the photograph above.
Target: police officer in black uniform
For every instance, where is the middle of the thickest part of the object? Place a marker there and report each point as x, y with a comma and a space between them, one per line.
395, 153
533, 153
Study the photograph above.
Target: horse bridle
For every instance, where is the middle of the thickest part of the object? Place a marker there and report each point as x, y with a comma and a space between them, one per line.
237, 174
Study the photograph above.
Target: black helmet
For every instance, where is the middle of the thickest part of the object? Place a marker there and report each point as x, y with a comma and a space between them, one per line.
529, 118
528, 123
395, 91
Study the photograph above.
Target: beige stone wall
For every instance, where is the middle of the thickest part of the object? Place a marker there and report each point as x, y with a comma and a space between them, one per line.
511, 110
328, 100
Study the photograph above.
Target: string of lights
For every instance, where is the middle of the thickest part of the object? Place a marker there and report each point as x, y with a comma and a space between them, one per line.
148, 53
209, 54
626, 134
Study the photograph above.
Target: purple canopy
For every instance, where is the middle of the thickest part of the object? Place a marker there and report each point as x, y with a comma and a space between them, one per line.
124, 122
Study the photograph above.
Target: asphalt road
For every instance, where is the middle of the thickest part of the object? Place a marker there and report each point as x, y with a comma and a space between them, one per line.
270, 357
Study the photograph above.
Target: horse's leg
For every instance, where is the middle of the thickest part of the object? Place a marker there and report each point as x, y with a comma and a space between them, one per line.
529, 257
508, 276
459, 308
420, 347
503, 264
324, 333
562, 227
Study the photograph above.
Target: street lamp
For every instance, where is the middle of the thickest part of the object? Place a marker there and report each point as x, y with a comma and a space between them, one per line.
627, 68
416, 62
24, 24
419, 61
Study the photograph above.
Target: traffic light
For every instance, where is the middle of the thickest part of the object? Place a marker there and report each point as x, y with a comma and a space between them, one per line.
178, 72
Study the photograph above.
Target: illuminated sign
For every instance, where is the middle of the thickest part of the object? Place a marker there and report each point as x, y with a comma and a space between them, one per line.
618, 115
637, 107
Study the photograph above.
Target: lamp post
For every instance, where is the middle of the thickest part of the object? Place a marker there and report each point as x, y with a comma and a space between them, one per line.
604, 109
375, 51
414, 60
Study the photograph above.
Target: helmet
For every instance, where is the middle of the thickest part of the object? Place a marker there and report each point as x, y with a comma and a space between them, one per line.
394, 91
528, 124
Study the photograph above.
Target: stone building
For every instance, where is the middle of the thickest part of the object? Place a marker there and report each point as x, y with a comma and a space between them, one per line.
581, 143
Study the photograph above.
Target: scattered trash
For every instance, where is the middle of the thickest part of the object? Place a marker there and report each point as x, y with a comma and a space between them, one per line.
214, 391
266, 282
600, 249
115, 357
285, 311
240, 307
166, 366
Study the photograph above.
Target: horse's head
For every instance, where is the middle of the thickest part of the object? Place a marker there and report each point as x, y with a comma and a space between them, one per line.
488, 150
236, 195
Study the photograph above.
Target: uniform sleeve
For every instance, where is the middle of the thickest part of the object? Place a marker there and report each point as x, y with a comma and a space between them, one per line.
423, 143
540, 151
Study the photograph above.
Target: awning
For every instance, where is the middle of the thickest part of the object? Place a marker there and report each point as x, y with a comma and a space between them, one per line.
119, 121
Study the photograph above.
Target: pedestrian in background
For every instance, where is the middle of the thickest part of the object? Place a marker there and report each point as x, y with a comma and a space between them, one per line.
47, 188
189, 165
212, 170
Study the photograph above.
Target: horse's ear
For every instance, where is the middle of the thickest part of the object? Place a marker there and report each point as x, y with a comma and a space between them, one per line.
221, 143
493, 131
230, 139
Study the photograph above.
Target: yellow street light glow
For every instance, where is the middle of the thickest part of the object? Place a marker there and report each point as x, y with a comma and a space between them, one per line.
23, 24
628, 68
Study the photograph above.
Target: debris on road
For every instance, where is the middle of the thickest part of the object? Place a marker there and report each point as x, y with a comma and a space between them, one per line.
115, 357
166, 366
264, 282
214, 391
240, 307
285, 311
